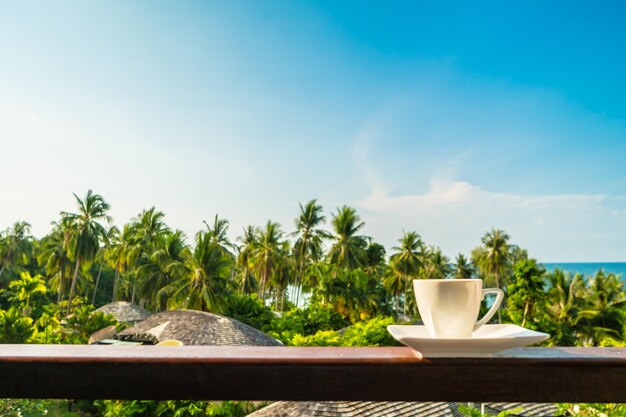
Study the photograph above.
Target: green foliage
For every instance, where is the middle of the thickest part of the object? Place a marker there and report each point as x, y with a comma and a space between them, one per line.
526, 296
203, 281
349, 249
268, 258
104, 291
16, 246
232, 408
592, 410
356, 294
15, 327
22, 408
119, 408
24, 288
250, 310
602, 317
584, 313
463, 267
352, 283
84, 321
50, 329
50, 326
493, 258
85, 232
435, 264
475, 412
305, 322
367, 333
321, 338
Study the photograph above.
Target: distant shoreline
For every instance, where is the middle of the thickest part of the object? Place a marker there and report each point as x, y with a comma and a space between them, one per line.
587, 268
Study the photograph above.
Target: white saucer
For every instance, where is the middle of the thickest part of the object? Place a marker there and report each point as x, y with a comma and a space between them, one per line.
488, 339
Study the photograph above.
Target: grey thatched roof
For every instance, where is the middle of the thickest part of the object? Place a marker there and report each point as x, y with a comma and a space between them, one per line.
102, 334
124, 311
527, 409
388, 409
196, 328
357, 409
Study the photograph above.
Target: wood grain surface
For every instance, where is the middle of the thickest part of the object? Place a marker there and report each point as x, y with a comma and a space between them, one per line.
309, 373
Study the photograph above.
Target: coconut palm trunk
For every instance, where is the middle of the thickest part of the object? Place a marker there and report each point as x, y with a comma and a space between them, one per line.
526, 310
95, 290
244, 277
396, 305
498, 286
116, 283
264, 280
406, 291
299, 282
61, 289
85, 232
73, 286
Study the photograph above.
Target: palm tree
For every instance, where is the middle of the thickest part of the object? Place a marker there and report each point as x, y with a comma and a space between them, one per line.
436, 264
147, 233
164, 266
374, 258
563, 304
493, 257
203, 285
267, 255
244, 260
602, 320
348, 251
148, 227
15, 247
283, 276
406, 262
100, 260
308, 247
118, 253
463, 267
53, 256
218, 234
86, 232
395, 283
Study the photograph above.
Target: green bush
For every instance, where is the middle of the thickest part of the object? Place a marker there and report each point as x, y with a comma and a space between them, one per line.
15, 327
119, 408
250, 310
370, 333
366, 333
305, 322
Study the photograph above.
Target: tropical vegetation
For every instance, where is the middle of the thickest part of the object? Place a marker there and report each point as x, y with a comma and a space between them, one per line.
316, 283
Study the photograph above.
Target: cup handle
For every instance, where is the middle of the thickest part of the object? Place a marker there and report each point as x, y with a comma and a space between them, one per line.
496, 304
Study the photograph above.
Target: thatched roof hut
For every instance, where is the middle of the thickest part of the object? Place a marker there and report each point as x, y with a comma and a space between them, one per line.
205, 329
125, 312
527, 409
196, 328
357, 409
388, 409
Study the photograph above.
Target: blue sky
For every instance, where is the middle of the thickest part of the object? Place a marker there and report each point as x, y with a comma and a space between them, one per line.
444, 118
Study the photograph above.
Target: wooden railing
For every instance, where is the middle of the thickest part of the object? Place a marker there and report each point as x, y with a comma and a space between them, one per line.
291, 373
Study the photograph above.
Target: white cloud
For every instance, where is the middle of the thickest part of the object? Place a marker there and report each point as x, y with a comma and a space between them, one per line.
454, 215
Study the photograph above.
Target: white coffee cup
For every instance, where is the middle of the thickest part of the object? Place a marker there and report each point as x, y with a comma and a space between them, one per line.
449, 307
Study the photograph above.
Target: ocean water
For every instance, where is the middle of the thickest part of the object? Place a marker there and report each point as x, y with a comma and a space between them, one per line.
588, 268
